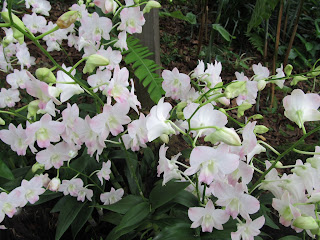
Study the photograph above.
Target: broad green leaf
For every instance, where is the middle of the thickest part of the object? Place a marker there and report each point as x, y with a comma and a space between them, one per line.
131, 220
5, 171
191, 18
112, 217
186, 198
224, 33
47, 196
124, 205
177, 231
68, 213
229, 227
81, 219
163, 194
290, 237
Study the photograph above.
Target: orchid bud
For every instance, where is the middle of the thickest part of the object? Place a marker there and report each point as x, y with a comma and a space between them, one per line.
261, 84
260, 129
2, 122
66, 19
164, 138
150, 5
37, 166
5, 42
305, 222
226, 135
235, 89
179, 110
136, 1
315, 72
288, 69
54, 184
257, 117
33, 108
222, 110
278, 164
93, 61
297, 79
243, 107
45, 75
16, 33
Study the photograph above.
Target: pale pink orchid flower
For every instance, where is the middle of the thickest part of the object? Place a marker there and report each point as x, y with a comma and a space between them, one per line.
24, 57
261, 74
137, 134
44, 131
248, 230
157, 124
250, 94
106, 6
175, 84
84, 193
235, 200
114, 57
9, 97
71, 187
112, 197
100, 80
34, 22
15, 137
300, 107
9, 202
208, 217
206, 116
18, 79
132, 19
122, 42
31, 190
169, 168
111, 120
212, 162
117, 87
54, 155
105, 171
67, 85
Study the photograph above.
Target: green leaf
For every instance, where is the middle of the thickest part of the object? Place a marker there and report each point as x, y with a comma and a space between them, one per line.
47, 196
144, 68
290, 237
190, 17
163, 194
81, 219
223, 32
177, 231
131, 220
112, 217
68, 212
186, 198
124, 205
5, 171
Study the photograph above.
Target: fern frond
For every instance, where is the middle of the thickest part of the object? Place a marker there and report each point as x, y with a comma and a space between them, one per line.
144, 69
256, 41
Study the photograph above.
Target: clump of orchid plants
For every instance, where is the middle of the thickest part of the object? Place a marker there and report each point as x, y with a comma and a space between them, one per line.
56, 129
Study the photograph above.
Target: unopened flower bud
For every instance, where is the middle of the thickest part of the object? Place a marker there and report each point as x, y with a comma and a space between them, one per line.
222, 110
257, 117
5, 42
136, 1
45, 75
179, 110
93, 61
297, 79
235, 89
226, 135
37, 166
66, 19
278, 164
315, 72
54, 184
16, 33
150, 5
288, 69
33, 108
243, 107
261, 84
2, 122
305, 222
91, 4
164, 138
260, 129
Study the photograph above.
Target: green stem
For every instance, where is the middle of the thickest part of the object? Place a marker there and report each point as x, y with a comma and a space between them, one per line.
132, 170
21, 109
281, 156
304, 152
3, 190
271, 148
77, 64
5, 25
47, 33
204, 193
15, 114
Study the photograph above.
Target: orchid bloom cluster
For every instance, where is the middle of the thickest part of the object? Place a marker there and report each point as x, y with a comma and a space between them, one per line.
219, 171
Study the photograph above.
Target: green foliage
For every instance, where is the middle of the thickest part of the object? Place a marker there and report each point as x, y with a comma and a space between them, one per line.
144, 69
262, 11
223, 32
256, 41
5, 172
189, 17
